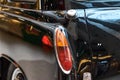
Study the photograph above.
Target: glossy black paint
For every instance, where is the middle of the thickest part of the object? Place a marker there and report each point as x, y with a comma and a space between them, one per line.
104, 30
21, 23
83, 4
93, 33
97, 43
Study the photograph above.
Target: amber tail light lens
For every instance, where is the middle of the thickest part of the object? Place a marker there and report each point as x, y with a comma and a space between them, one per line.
63, 52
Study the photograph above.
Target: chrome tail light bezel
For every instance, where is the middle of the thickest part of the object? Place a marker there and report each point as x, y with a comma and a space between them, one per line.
62, 29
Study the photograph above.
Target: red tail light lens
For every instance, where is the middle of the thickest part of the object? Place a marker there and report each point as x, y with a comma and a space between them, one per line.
46, 40
63, 52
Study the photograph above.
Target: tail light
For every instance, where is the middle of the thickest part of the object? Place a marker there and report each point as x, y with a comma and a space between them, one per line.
63, 52
46, 40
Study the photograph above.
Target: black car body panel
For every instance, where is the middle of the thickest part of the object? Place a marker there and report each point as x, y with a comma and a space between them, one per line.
104, 33
83, 4
93, 34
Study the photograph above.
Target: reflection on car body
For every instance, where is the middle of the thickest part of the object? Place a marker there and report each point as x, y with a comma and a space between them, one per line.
84, 40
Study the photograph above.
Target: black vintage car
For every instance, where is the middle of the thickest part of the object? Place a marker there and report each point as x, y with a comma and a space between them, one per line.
85, 40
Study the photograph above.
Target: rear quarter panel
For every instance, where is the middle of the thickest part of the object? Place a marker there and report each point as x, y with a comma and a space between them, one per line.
35, 61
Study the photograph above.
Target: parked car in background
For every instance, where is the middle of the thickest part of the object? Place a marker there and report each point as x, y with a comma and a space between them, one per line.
85, 40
